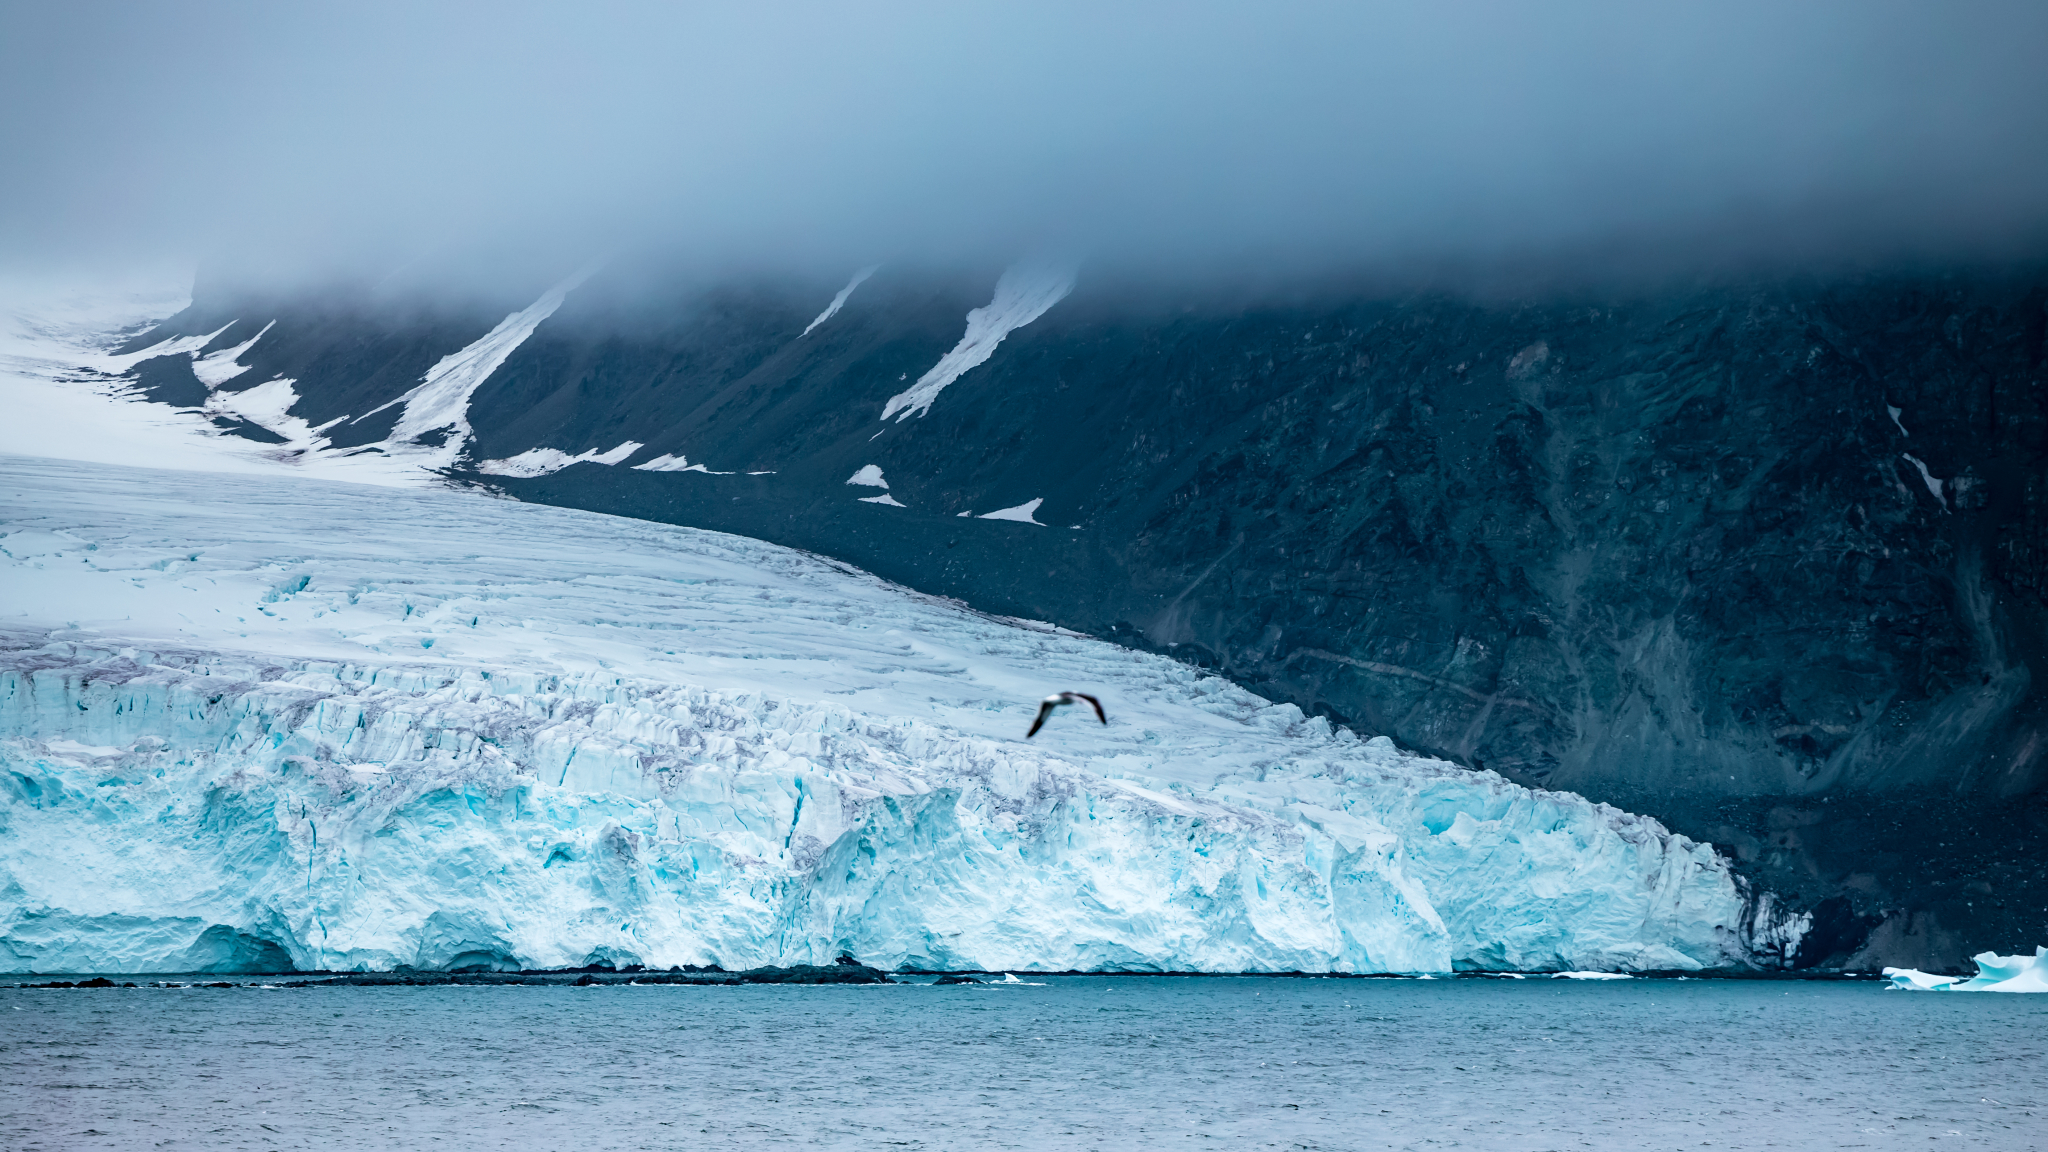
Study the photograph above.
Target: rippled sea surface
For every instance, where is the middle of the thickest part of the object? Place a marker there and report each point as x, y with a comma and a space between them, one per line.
1076, 1062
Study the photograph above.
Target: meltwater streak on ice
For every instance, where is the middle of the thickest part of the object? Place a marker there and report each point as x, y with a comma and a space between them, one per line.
364, 728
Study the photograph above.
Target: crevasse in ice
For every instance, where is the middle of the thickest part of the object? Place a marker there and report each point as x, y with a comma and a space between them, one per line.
250, 722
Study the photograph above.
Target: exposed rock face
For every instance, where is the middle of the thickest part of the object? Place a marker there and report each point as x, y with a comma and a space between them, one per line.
1768, 562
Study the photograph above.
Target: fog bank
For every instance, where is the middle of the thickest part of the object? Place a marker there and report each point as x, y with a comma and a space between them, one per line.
294, 141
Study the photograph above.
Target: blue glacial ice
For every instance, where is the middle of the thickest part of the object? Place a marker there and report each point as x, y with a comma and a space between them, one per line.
247, 721
1995, 973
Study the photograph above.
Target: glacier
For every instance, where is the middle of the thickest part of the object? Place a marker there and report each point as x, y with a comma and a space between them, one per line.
256, 721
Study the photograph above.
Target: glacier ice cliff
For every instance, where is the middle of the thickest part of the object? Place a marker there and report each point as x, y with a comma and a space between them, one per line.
254, 722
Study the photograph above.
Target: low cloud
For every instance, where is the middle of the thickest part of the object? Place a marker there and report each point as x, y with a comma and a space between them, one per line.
313, 141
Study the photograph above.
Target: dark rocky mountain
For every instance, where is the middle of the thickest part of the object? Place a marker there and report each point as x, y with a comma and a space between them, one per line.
1768, 561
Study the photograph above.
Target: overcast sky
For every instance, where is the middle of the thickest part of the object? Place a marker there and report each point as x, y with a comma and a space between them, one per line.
304, 138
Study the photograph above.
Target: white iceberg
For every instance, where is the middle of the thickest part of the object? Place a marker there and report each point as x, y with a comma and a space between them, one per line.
255, 721
1995, 973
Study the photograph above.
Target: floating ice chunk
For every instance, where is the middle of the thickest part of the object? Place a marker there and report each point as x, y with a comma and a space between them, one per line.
216, 369
1914, 980
839, 301
1022, 513
884, 498
1933, 485
1995, 973
869, 475
1589, 976
542, 461
1022, 295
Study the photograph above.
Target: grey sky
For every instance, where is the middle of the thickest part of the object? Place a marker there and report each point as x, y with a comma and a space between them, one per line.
308, 138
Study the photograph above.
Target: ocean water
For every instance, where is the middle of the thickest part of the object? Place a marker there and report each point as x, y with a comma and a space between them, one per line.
1074, 1062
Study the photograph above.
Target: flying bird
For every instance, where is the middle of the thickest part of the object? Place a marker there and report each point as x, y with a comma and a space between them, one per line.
1046, 706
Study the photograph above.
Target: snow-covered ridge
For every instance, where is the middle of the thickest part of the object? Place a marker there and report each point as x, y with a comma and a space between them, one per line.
1023, 294
243, 719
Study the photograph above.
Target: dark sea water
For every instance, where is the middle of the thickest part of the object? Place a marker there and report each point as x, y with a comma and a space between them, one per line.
1078, 1062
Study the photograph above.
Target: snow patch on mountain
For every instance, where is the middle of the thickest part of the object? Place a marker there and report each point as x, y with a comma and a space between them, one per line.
1928, 478
869, 475
440, 402
171, 346
1023, 294
248, 718
66, 393
542, 461
668, 463
1024, 513
885, 499
217, 368
839, 301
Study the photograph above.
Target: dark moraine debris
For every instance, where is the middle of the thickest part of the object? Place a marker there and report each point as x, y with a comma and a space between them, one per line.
816, 974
